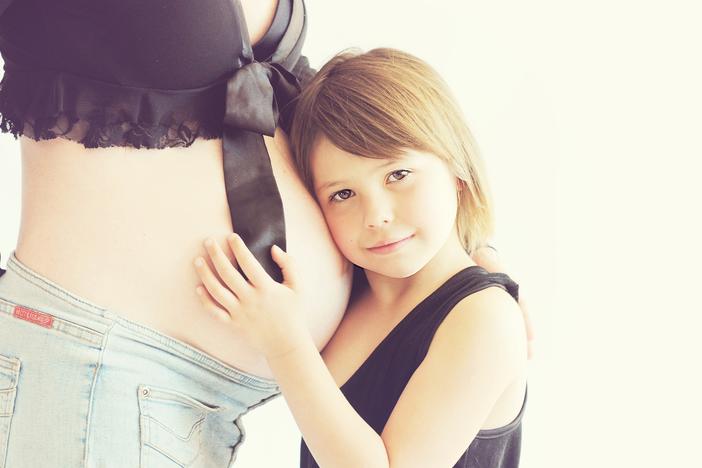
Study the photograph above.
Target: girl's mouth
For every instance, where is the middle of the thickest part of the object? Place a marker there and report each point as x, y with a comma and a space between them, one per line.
391, 247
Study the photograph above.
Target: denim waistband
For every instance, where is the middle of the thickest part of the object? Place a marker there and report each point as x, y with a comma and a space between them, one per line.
26, 294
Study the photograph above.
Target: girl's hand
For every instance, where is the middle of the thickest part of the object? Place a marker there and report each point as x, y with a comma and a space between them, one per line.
267, 313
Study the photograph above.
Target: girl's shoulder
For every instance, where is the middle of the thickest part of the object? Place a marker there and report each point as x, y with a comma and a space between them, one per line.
485, 323
490, 309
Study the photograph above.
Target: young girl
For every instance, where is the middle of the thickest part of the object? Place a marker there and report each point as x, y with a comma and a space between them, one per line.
427, 368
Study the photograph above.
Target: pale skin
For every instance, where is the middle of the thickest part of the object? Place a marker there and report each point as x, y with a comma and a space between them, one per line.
456, 391
259, 16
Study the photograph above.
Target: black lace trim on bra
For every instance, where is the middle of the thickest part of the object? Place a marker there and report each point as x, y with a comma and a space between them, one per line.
44, 105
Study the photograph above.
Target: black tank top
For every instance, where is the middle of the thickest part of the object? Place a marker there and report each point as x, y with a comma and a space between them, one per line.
377, 385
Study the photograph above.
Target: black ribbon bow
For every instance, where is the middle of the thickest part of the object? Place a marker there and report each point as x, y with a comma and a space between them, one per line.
257, 93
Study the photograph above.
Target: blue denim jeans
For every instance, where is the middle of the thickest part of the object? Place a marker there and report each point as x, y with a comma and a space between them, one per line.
81, 386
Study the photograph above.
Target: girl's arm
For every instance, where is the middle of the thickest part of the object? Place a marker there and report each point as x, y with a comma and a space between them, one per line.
488, 258
476, 353
335, 433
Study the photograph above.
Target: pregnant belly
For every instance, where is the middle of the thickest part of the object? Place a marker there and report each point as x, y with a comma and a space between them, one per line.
120, 227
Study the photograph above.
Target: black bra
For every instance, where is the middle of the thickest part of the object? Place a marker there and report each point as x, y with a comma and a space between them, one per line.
156, 74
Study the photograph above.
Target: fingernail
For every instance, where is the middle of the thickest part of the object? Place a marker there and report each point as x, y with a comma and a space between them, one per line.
199, 261
208, 243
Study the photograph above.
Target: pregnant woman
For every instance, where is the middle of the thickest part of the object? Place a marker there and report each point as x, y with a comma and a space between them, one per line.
131, 116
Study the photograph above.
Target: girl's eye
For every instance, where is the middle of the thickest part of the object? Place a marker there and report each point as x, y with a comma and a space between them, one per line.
398, 175
341, 195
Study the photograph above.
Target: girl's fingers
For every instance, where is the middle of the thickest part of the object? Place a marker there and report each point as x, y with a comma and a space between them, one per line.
225, 269
287, 266
219, 293
253, 270
210, 306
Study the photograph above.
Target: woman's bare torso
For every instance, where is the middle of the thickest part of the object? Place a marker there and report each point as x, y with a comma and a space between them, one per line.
121, 226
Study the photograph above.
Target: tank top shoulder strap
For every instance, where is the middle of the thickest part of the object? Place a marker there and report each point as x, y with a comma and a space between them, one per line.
440, 303
474, 279
464, 283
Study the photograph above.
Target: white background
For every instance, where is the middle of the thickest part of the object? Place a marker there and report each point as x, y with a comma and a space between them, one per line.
588, 115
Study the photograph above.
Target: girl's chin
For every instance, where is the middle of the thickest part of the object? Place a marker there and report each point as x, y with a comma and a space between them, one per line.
393, 271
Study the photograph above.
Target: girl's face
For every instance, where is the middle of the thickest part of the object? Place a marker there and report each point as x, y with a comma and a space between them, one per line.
389, 216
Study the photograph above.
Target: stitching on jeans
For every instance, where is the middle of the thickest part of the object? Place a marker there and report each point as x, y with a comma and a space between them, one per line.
40, 283
197, 426
240, 377
88, 426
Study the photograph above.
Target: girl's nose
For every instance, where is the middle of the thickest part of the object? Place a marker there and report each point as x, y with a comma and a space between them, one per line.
379, 222
378, 216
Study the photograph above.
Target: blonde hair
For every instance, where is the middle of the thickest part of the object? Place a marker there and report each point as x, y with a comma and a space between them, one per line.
381, 103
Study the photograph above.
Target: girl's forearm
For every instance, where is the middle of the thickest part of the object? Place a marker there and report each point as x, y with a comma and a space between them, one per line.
333, 431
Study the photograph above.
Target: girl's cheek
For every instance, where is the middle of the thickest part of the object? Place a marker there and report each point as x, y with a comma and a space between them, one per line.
342, 233
335, 225
424, 200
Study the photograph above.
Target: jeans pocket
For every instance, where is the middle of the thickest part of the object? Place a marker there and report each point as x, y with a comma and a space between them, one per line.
171, 425
9, 375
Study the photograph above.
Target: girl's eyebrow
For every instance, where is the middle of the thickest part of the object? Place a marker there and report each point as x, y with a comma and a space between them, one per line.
341, 182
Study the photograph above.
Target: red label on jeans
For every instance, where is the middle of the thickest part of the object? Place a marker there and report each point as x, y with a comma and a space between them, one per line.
43, 320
